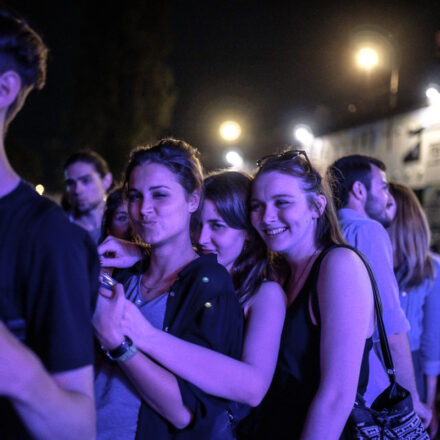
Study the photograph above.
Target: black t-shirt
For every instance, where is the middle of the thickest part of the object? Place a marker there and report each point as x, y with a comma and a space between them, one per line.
48, 285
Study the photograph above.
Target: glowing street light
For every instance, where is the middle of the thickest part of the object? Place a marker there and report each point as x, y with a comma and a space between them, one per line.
40, 189
234, 159
304, 135
367, 58
433, 95
374, 47
230, 131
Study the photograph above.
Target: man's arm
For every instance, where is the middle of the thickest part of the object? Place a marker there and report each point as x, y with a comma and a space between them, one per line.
50, 406
401, 354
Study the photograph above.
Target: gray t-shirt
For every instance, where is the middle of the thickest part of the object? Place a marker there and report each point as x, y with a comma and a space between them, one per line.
117, 401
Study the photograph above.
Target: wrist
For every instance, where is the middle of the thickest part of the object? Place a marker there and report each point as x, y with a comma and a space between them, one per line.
123, 352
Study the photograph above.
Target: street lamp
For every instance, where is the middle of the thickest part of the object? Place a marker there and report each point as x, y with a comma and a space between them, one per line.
40, 189
303, 134
367, 58
234, 159
433, 95
230, 131
372, 49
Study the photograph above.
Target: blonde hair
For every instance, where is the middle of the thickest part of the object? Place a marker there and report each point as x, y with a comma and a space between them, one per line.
410, 237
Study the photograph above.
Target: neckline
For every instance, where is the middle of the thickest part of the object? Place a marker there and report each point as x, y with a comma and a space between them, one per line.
306, 281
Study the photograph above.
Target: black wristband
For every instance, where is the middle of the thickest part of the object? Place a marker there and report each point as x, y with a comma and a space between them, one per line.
120, 349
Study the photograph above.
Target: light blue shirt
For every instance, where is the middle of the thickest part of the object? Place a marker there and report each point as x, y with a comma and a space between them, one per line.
372, 240
422, 308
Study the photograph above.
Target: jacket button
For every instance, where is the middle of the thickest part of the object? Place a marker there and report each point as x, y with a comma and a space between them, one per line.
205, 280
208, 305
171, 293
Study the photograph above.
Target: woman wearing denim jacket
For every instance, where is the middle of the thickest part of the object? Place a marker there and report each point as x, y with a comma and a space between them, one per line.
418, 274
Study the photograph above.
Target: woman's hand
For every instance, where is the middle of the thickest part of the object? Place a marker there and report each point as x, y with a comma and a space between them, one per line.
136, 326
114, 252
107, 318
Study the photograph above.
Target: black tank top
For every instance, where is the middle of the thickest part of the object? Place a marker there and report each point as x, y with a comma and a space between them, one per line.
283, 411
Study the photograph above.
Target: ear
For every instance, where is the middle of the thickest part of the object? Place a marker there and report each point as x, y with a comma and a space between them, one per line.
10, 86
193, 201
107, 181
320, 202
358, 191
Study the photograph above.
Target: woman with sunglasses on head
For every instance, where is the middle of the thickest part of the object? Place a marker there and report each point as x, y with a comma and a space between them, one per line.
417, 272
224, 229
323, 360
188, 296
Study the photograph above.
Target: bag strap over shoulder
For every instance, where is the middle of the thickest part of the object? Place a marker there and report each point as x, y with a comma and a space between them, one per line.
386, 353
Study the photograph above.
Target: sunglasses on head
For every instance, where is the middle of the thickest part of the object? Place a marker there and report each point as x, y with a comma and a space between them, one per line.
286, 155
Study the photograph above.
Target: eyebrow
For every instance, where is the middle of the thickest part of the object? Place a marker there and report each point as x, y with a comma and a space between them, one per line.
151, 188
291, 196
71, 179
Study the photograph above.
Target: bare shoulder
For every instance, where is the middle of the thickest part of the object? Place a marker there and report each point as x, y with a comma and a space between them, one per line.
342, 258
270, 294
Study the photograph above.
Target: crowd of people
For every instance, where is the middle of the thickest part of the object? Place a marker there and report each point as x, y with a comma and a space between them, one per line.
178, 305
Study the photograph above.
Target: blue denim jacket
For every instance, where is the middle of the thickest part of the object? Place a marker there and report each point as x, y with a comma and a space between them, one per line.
422, 308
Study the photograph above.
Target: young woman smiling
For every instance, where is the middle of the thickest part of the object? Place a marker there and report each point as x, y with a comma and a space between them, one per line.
329, 319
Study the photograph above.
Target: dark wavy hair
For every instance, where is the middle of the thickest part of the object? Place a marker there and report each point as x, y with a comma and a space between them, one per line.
347, 170
21, 50
298, 165
230, 192
92, 158
178, 156
114, 200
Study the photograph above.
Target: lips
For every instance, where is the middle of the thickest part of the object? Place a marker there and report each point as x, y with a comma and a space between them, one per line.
207, 251
273, 232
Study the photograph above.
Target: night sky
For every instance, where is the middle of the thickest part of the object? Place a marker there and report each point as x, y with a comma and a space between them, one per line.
269, 65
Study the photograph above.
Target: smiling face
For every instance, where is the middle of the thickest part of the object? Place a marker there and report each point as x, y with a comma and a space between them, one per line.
217, 237
281, 213
85, 187
158, 205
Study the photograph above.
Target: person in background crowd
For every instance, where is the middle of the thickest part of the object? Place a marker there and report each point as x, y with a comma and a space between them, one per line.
87, 179
224, 229
361, 194
186, 295
418, 276
115, 220
49, 276
323, 358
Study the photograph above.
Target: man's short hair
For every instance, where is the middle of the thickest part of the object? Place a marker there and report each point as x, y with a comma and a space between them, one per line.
347, 170
91, 157
21, 50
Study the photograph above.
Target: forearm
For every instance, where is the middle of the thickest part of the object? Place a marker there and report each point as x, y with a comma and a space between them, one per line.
159, 388
327, 415
211, 371
49, 411
401, 354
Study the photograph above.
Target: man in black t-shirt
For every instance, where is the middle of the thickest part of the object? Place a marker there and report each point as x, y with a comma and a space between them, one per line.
48, 280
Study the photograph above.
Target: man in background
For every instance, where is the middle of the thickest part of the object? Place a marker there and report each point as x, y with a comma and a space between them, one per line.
87, 179
361, 194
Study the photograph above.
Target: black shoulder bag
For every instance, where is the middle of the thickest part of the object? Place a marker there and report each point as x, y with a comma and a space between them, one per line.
391, 416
